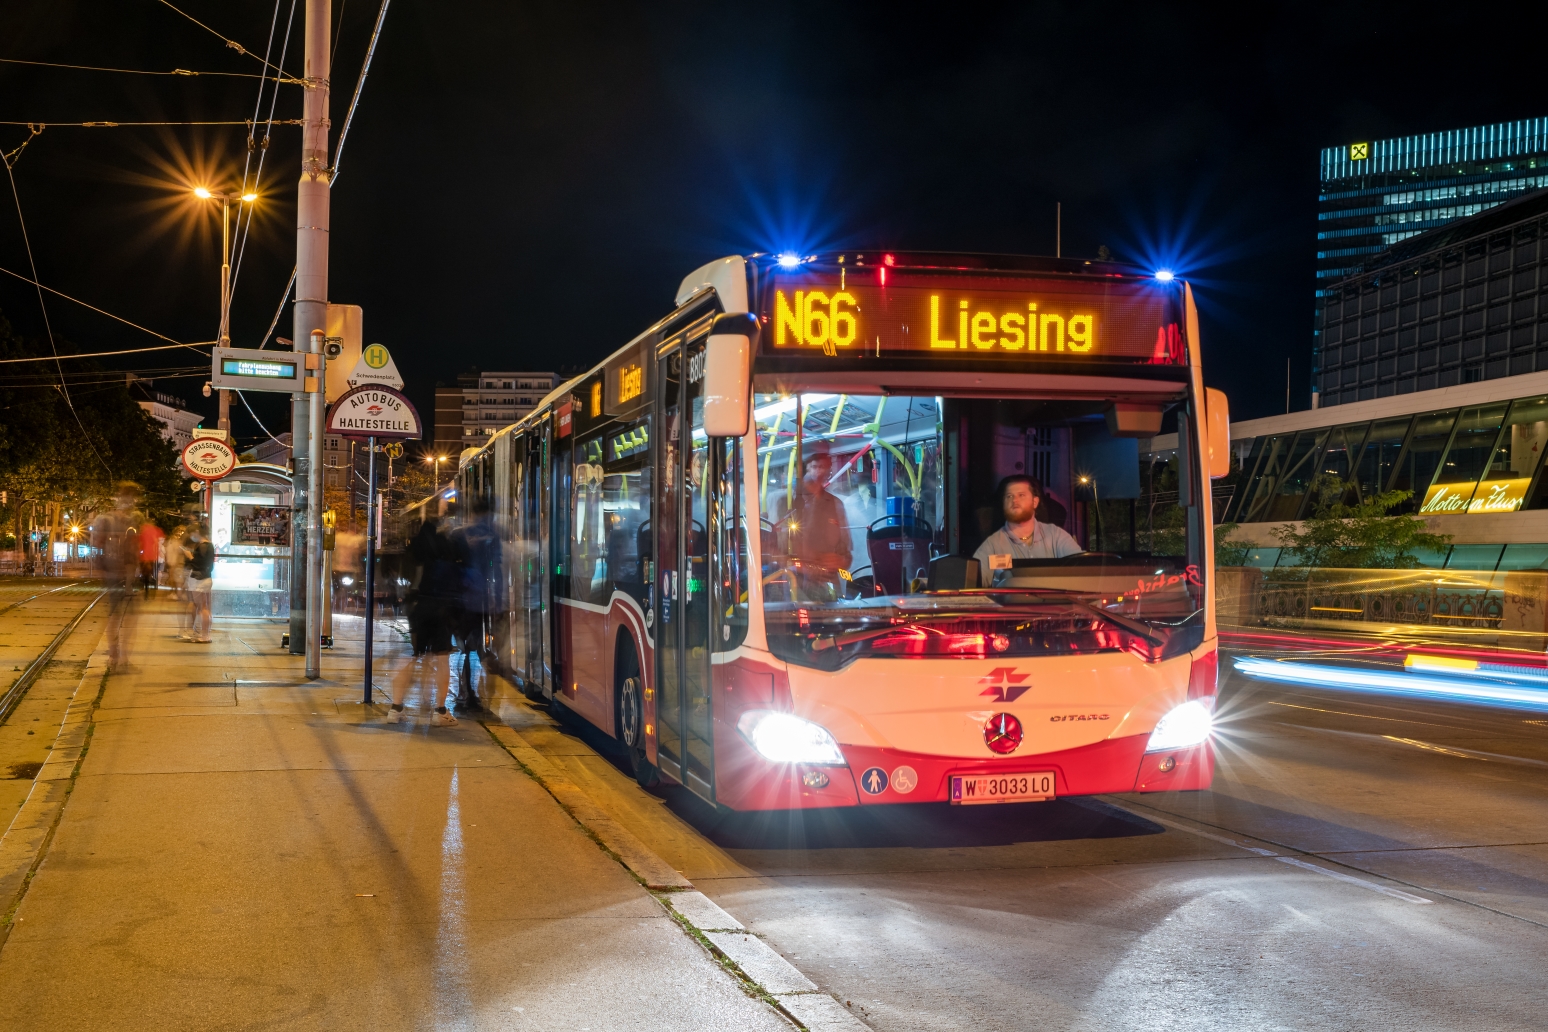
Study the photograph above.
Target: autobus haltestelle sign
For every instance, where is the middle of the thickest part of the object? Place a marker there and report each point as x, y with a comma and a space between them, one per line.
208, 458
374, 412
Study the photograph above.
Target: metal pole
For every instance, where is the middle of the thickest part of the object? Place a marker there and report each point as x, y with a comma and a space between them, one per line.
224, 422
311, 305
314, 539
370, 570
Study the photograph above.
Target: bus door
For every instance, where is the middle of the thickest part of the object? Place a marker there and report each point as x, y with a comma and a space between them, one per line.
682, 583
532, 612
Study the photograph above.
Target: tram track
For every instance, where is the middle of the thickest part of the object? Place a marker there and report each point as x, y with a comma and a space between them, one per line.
17, 605
34, 669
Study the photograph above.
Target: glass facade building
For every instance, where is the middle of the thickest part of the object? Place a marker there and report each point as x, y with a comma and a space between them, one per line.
1465, 460
1455, 305
1379, 193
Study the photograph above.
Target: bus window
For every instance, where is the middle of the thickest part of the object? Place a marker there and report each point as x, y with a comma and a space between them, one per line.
626, 507
589, 581
850, 493
730, 551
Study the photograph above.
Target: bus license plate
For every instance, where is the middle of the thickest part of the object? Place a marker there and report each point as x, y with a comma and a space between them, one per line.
1002, 788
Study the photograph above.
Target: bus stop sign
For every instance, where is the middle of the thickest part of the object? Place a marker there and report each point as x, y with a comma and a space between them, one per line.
379, 412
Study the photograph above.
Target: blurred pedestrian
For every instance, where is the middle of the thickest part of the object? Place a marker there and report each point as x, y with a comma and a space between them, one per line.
116, 547
201, 578
478, 557
434, 590
151, 538
176, 575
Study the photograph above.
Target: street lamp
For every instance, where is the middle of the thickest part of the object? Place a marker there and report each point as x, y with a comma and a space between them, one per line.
226, 199
436, 461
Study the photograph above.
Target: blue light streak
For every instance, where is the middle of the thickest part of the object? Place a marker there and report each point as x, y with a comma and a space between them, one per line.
1393, 682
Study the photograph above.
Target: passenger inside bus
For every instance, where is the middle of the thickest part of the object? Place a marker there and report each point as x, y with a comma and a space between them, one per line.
818, 523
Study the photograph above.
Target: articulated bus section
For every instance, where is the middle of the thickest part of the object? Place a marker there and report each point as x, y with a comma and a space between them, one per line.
873, 528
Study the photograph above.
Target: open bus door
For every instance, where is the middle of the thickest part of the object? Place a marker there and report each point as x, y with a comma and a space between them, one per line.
681, 583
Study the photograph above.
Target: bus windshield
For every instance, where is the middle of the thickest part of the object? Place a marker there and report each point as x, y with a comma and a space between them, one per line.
923, 525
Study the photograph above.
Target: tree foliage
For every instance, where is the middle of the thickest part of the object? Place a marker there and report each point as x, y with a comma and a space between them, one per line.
49, 453
1359, 535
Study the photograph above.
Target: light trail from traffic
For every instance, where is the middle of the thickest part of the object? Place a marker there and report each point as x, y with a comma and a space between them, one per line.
1393, 682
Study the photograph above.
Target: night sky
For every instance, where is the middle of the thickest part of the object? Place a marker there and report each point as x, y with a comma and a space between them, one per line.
526, 183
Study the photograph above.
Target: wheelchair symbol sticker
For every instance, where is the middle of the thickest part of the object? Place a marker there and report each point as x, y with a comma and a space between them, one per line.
874, 781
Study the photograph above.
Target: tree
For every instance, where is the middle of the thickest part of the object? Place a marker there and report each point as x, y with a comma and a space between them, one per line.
1363, 535
75, 449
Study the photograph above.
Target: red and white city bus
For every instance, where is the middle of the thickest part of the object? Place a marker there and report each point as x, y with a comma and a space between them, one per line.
743, 544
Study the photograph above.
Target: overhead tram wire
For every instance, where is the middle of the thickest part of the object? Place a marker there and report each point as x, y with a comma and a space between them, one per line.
281, 309
48, 328
233, 44
243, 231
338, 151
99, 354
365, 68
287, 79
110, 315
107, 124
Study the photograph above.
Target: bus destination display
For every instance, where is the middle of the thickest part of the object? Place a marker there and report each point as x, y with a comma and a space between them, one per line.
1068, 321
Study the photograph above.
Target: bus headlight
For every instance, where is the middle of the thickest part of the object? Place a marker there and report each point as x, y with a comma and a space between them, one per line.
782, 738
1188, 724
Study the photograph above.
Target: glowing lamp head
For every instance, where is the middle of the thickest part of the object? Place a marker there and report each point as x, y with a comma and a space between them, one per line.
249, 198
789, 261
201, 193
1164, 275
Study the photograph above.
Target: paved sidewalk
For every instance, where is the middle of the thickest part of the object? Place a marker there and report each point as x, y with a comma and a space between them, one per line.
271, 855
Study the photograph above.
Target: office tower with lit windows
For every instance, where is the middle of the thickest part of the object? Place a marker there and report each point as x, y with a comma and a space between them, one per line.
1375, 194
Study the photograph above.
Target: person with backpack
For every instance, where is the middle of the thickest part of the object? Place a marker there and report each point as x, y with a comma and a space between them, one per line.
435, 593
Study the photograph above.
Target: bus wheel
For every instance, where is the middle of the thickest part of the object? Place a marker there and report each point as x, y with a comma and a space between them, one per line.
631, 729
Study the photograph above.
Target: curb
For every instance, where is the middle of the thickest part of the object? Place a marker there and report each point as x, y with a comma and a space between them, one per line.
25, 842
748, 957
649, 868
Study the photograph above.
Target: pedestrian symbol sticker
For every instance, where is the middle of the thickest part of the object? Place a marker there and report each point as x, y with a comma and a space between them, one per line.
904, 780
874, 781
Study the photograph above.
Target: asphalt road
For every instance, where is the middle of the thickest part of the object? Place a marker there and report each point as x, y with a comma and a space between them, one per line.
1363, 862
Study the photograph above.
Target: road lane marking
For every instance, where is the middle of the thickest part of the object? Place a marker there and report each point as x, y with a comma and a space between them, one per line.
1377, 716
1352, 880
1454, 751
1294, 861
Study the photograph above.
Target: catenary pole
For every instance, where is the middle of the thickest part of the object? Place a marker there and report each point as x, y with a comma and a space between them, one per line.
314, 538
224, 422
370, 570
311, 315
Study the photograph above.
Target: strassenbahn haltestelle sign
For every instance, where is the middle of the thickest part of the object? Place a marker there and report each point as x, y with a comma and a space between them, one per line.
379, 412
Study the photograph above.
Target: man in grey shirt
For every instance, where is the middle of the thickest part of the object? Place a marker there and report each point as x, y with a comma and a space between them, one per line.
1022, 537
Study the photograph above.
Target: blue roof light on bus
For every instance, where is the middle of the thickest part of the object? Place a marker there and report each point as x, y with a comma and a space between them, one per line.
1164, 275
789, 261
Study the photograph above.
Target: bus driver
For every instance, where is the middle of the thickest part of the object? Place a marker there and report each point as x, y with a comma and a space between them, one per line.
1023, 536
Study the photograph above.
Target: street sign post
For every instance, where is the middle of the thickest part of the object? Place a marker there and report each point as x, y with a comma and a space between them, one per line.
375, 413
209, 459
252, 369
376, 367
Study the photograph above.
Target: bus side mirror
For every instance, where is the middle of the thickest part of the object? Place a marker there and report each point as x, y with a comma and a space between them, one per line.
728, 375
1217, 418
